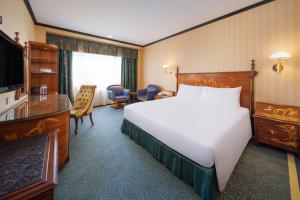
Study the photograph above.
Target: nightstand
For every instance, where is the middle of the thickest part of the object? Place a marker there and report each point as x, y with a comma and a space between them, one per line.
277, 125
164, 94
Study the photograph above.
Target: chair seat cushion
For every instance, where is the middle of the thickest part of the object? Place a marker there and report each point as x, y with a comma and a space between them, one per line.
142, 98
121, 97
77, 112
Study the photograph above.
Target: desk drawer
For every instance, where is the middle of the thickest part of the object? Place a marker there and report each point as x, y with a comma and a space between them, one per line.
283, 135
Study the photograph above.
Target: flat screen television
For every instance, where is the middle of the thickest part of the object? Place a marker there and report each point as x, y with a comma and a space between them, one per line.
11, 64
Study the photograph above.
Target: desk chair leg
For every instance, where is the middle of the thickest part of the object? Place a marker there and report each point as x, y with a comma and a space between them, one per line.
81, 119
91, 118
76, 125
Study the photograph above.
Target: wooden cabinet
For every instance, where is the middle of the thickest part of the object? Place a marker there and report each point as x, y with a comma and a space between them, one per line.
277, 125
43, 67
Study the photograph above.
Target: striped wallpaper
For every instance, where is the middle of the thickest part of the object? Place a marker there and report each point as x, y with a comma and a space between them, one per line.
230, 44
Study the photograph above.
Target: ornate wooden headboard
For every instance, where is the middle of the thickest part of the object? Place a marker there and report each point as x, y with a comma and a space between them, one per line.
224, 80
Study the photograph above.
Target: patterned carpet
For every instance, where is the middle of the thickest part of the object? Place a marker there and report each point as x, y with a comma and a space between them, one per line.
105, 164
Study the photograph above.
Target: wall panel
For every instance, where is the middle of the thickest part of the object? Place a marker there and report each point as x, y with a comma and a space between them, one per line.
230, 44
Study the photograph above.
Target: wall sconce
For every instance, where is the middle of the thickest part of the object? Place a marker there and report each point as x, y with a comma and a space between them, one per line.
168, 69
279, 55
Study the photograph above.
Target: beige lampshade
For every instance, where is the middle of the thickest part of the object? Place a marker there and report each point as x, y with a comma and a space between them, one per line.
280, 55
168, 69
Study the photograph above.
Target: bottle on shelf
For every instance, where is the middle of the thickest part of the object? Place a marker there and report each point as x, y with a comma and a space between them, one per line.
43, 89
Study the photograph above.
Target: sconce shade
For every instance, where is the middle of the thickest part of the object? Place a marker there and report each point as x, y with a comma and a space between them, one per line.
168, 69
280, 55
165, 66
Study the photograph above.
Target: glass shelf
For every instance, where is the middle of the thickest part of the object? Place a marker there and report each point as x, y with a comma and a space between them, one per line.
43, 61
38, 72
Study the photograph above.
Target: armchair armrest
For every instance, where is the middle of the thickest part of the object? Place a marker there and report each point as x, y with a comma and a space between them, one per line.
151, 94
110, 94
126, 92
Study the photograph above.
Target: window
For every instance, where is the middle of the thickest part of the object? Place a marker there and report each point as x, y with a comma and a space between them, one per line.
95, 69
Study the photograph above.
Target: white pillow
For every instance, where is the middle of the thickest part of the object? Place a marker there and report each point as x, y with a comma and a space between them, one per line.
189, 93
221, 97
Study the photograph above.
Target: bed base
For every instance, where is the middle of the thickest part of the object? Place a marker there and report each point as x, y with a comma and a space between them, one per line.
202, 179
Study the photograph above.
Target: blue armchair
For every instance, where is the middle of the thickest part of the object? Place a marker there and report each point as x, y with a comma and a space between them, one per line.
148, 93
117, 94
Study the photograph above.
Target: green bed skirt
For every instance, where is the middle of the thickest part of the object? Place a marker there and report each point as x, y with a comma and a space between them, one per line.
202, 179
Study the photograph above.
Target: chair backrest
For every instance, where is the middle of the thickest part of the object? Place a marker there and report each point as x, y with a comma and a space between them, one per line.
153, 88
85, 98
117, 89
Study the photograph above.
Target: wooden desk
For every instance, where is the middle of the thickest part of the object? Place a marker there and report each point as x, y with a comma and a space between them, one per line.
28, 168
37, 115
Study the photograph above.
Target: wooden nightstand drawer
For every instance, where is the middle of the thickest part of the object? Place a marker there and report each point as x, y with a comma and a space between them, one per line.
283, 135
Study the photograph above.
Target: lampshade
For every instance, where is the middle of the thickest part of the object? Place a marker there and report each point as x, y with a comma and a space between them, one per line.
168, 69
280, 55
165, 66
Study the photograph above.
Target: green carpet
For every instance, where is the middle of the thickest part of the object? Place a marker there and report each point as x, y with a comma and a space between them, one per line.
105, 164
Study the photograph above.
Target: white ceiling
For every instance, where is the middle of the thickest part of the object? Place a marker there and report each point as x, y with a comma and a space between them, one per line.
134, 21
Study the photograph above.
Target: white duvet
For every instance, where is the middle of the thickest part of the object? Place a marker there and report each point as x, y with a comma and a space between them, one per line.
206, 135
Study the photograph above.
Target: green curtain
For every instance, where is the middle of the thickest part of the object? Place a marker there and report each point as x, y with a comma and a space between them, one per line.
129, 73
68, 44
65, 73
88, 46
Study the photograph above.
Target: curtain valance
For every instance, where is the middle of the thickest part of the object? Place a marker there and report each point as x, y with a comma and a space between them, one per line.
87, 46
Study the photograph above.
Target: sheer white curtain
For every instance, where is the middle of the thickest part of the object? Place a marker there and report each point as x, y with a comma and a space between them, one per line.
95, 69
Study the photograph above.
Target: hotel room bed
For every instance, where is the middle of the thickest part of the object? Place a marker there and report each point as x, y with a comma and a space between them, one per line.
198, 132
198, 142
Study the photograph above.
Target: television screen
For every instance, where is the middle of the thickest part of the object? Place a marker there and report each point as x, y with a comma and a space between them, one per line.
11, 64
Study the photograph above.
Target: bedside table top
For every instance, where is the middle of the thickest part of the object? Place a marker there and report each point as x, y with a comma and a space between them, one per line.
161, 96
277, 112
165, 94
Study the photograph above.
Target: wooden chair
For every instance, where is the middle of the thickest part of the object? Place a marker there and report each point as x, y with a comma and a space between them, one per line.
83, 104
